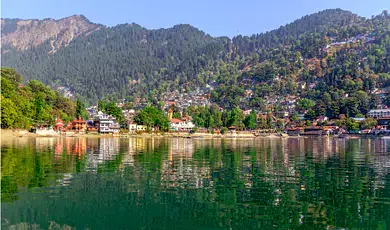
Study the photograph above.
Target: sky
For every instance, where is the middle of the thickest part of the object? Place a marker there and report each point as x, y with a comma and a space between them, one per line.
215, 17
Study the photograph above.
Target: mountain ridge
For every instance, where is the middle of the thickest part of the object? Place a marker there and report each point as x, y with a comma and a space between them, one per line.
81, 18
25, 34
130, 60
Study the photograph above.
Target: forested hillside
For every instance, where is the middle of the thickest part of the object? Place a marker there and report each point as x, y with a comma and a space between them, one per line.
33, 103
332, 51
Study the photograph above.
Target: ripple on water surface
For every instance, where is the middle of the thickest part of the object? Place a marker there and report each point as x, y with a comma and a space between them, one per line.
157, 183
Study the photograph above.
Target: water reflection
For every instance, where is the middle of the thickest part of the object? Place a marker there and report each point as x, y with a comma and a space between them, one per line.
114, 183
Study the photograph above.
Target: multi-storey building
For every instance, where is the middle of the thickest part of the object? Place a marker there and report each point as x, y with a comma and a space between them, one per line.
106, 123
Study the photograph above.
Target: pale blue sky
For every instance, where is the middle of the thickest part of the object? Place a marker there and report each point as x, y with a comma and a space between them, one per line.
215, 17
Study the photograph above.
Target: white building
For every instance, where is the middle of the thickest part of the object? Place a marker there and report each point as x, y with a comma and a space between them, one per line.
106, 123
181, 125
133, 127
378, 113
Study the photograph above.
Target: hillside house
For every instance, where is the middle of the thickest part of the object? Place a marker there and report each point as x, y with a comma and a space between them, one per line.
379, 113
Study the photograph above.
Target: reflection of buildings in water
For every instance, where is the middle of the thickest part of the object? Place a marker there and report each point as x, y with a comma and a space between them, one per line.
381, 162
135, 146
100, 150
139, 145
279, 160
79, 146
180, 148
42, 143
68, 141
180, 170
74, 146
108, 147
66, 180
59, 148
381, 145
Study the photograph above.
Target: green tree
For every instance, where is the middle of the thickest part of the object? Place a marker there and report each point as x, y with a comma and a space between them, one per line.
305, 104
250, 120
352, 125
270, 122
368, 123
262, 122
8, 113
153, 117
310, 115
39, 104
80, 110
236, 118
112, 109
25, 105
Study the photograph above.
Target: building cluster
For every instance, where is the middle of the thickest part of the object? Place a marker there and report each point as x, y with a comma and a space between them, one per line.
101, 123
77, 125
358, 38
66, 91
198, 97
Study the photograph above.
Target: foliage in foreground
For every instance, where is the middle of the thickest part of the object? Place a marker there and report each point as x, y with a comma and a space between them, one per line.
24, 105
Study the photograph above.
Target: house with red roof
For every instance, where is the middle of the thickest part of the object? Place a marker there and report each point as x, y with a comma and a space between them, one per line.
182, 125
59, 124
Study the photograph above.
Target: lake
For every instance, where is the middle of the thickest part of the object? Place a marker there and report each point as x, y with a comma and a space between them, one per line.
162, 183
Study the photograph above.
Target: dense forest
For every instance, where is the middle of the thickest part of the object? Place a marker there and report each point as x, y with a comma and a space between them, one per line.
321, 57
33, 103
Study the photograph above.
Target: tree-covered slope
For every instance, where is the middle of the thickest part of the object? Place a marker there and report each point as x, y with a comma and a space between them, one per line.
25, 105
130, 60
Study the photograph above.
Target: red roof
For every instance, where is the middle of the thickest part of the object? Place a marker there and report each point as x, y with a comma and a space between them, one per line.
59, 123
175, 120
188, 118
79, 121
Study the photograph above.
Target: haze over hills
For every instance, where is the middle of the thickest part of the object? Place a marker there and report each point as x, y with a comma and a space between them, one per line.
326, 48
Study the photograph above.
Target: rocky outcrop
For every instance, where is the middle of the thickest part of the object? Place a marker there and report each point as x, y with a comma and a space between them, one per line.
25, 34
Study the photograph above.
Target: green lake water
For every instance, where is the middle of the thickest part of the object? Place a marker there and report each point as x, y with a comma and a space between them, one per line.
155, 183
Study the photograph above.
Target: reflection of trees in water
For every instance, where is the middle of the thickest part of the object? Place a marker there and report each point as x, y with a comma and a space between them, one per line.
284, 183
40, 162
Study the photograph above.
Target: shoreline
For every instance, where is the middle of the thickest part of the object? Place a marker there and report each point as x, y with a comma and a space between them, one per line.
9, 133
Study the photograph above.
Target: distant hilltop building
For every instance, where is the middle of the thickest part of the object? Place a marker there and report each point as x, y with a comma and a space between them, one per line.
379, 113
